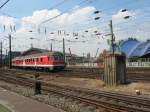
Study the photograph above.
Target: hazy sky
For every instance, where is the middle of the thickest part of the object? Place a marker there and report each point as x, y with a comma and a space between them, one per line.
72, 16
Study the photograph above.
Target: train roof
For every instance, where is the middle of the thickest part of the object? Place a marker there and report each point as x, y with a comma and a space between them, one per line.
37, 55
35, 52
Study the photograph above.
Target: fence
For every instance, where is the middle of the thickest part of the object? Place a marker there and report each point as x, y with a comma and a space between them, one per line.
138, 64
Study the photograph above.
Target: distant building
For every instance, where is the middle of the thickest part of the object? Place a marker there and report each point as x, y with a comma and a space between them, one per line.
3, 58
14, 54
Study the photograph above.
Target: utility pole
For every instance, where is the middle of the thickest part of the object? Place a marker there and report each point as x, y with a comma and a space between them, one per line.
10, 51
6, 59
83, 59
51, 47
1, 54
96, 52
71, 58
64, 49
112, 37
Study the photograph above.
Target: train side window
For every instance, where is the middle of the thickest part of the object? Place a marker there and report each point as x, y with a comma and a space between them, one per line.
55, 57
48, 58
33, 59
37, 59
41, 59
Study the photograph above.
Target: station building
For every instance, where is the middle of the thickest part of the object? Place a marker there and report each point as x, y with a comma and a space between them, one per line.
137, 52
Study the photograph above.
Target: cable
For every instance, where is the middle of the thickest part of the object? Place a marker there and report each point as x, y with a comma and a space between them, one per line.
68, 10
4, 4
112, 7
60, 3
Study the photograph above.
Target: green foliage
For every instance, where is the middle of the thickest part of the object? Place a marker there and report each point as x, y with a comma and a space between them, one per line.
4, 109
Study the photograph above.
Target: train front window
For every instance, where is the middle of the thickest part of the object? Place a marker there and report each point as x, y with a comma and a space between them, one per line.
58, 57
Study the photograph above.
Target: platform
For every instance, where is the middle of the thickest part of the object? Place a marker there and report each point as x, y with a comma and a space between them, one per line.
18, 103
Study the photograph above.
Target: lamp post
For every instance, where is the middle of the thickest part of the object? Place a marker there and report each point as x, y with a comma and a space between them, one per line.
10, 53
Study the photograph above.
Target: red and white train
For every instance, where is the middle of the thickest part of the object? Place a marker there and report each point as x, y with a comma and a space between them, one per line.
50, 60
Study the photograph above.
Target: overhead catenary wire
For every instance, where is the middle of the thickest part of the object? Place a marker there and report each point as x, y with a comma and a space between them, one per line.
4, 4
62, 3
68, 10
52, 7
58, 4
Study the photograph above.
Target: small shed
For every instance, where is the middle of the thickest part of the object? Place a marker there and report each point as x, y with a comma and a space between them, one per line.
114, 69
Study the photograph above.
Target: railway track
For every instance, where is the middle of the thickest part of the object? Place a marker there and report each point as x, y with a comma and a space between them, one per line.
64, 73
98, 99
133, 75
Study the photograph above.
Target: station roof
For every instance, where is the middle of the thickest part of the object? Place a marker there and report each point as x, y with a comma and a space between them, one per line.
32, 51
142, 49
135, 48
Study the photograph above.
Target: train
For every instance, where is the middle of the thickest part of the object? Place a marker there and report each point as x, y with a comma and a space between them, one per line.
50, 60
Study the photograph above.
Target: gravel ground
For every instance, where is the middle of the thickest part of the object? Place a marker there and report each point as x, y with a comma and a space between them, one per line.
130, 88
59, 102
